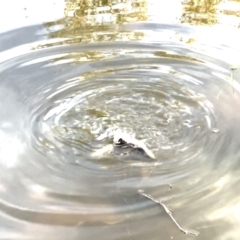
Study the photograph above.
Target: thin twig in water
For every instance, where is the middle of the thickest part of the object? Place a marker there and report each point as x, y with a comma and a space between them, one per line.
185, 231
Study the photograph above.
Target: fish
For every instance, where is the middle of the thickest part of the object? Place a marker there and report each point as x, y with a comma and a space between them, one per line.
124, 143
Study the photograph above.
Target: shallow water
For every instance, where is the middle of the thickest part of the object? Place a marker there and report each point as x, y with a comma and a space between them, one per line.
65, 83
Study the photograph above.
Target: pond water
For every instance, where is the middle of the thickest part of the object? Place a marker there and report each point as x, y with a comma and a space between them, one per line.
166, 72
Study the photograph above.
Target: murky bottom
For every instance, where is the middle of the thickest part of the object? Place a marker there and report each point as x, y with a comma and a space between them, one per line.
59, 102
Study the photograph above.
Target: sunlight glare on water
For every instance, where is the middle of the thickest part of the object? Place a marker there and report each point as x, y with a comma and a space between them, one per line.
165, 74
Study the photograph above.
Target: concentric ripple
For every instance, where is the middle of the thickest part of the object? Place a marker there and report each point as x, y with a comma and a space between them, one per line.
174, 97
150, 97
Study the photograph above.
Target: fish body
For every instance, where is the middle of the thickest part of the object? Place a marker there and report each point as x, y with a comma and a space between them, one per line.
125, 144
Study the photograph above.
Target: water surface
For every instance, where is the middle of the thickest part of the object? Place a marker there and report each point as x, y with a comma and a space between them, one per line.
65, 83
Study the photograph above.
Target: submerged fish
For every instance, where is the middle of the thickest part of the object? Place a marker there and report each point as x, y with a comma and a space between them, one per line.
125, 144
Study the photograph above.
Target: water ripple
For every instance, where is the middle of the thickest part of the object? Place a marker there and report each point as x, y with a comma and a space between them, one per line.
68, 97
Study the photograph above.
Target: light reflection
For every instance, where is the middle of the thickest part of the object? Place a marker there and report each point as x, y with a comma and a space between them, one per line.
230, 211
27, 13
164, 11
37, 192
10, 149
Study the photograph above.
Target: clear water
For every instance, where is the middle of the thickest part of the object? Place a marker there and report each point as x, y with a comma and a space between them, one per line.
64, 83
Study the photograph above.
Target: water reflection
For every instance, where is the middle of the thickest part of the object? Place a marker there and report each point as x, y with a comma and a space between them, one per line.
102, 12
69, 82
95, 21
200, 12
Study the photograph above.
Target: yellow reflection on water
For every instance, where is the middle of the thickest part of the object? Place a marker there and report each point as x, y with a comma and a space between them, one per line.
79, 13
106, 11
203, 12
91, 21
211, 12
88, 21
200, 11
